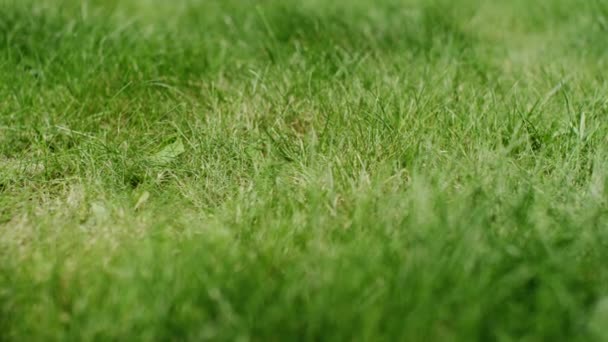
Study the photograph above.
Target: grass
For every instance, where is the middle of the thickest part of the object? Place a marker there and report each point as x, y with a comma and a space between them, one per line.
303, 170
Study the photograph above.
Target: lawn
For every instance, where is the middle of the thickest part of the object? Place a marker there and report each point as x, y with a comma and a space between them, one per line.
278, 170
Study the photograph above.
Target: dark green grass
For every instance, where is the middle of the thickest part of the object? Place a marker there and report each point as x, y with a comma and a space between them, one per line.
303, 170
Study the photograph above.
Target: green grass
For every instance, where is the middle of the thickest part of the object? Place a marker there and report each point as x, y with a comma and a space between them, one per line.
303, 170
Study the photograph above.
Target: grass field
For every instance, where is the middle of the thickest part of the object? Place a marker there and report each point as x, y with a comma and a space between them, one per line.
304, 170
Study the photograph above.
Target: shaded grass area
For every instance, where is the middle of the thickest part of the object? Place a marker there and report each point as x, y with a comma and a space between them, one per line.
277, 170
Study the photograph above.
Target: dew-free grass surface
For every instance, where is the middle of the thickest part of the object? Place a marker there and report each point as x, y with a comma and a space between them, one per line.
303, 170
